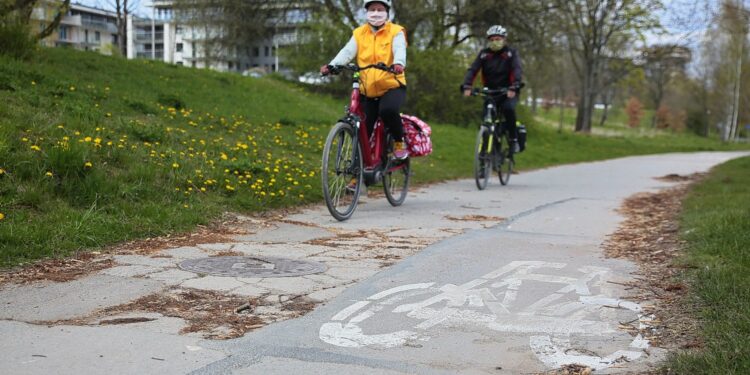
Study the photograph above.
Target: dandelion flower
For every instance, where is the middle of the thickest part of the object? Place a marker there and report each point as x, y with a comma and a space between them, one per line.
36, 148
2, 216
48, 174
175, 165
88, 164
2, 171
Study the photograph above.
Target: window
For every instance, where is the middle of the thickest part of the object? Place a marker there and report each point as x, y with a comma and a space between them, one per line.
192, 46
63, 32
256, 51
85, 36
193, 64
178, 47
267, 51
180, 63
97, 36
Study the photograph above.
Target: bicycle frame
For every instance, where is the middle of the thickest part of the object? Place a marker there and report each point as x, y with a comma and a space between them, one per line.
371, 146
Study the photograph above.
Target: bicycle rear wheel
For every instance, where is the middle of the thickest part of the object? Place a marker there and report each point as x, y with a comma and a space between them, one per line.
506, 164
342, 164
482, 161
396, 180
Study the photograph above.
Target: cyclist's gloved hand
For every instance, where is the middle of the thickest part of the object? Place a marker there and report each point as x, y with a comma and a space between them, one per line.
325, 70
398, 68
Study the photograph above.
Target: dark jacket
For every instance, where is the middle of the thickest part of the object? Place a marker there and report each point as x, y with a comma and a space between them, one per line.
499, 69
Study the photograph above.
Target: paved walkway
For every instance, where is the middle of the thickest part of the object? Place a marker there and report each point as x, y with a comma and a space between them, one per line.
545, 227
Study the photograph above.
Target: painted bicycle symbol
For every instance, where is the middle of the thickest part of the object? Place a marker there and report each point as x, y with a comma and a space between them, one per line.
567, 312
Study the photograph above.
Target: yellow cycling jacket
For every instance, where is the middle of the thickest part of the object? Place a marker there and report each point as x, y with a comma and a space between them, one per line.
375, 47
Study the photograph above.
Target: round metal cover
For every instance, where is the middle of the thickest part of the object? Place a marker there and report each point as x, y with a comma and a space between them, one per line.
234, 266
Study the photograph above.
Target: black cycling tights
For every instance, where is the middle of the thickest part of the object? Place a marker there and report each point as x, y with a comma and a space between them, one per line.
507, 107
388, 107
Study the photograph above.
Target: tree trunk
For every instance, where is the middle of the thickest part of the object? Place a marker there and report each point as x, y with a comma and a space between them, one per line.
604, 113
586, 100
560, 101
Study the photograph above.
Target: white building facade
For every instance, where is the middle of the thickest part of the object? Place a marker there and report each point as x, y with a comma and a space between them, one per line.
163, 37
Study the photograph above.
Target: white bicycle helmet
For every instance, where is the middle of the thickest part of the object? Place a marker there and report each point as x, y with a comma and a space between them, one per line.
496, 30
387, 3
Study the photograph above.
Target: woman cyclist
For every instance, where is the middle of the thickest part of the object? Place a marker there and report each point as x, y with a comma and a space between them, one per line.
379, 40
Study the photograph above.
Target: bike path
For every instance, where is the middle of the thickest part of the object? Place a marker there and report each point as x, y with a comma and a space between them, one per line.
525, 296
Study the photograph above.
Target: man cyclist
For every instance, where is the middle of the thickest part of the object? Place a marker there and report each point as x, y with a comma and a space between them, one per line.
501, 68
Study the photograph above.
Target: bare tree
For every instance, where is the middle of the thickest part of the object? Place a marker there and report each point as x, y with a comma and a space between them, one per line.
123, 8
590, 26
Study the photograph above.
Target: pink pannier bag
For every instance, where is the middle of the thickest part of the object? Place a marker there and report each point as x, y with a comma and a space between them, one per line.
417, 135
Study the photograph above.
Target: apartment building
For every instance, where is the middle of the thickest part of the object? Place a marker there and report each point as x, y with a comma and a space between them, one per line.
166, 37
82, 27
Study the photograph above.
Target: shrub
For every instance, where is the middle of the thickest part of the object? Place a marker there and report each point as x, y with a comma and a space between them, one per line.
15, 38
634, 110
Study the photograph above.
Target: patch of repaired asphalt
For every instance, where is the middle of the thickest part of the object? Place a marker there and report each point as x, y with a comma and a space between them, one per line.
222, 308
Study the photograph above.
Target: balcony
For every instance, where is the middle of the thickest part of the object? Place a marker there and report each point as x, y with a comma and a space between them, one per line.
147, 55
147, 37
71, 20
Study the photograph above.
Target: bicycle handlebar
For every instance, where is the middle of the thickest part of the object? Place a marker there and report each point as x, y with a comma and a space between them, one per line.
487, 92
336, 69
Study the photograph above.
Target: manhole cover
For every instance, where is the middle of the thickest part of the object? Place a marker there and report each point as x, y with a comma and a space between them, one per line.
252, 266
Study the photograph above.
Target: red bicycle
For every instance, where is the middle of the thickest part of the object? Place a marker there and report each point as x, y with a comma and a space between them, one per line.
351, 154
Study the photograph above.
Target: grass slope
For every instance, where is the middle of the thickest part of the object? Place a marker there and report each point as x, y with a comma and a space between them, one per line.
716, 226
97, 150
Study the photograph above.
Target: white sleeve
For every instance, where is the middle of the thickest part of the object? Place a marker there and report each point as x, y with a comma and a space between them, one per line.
399, 49
346, 54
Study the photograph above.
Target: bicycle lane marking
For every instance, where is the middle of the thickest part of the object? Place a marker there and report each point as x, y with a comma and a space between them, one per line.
462, 305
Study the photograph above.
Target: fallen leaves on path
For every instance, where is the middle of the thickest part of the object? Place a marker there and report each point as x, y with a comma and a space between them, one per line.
650, 237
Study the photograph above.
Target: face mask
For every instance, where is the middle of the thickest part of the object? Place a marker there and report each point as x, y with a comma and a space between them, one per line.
376, 18
497, 45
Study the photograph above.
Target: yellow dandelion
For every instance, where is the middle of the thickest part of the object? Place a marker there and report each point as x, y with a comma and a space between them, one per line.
72, 88
175, 165
36, 148
87, 164
33, 83
87, 139
48, 174
2, 216
229, 188
2, 171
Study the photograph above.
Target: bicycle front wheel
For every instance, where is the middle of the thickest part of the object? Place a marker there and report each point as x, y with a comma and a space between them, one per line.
506, 164
482, 162
341, 171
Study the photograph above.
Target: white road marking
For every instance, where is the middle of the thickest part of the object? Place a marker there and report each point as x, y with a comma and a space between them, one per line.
477, 302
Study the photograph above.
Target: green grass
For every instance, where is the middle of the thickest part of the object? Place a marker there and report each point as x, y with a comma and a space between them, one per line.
616, 119
97, 150
715, 223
